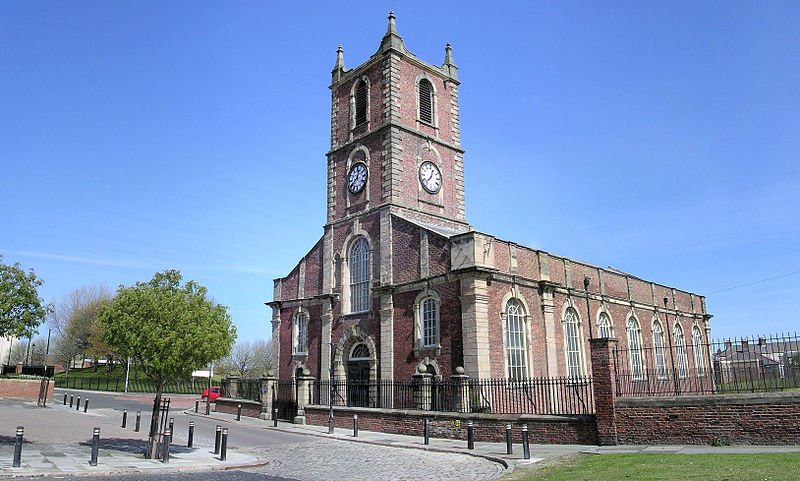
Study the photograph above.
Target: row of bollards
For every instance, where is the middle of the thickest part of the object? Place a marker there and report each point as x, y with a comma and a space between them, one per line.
526, 451
78, 404
221, 442
17, 461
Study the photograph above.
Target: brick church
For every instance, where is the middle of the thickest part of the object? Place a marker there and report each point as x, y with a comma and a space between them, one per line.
399, 281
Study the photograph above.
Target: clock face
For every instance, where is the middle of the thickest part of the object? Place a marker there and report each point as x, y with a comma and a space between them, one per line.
430, 177
357, 178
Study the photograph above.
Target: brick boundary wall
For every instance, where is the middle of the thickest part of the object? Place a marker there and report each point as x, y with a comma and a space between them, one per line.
761, 418
27, 389
543, 429
228, 405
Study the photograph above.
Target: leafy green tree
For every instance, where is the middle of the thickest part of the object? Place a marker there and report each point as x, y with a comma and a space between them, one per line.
21, 308
169, 329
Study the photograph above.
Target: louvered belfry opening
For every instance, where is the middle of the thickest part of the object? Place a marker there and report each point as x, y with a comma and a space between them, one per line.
425, 101
361, 103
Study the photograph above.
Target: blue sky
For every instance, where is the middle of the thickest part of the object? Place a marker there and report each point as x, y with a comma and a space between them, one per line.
661, 138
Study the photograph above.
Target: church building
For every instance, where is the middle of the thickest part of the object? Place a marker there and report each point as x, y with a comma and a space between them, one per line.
400, 281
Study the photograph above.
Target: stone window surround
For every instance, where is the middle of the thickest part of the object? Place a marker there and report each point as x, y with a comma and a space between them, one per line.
353, 102
514, 294
581, 355
422, 194
637, 332
295, 330
365, 193
602, 310
344, 258
697, 347
419, 349
681, 358
659, 348
434, 102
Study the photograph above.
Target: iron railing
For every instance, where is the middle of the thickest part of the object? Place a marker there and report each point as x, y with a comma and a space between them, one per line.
118, 385
560, 396
246, 389
749, 364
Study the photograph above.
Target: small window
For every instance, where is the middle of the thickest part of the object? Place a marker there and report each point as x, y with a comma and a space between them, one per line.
429, 313
301, 333
359, 276
361, 102
425, 101
658, 348
604, 325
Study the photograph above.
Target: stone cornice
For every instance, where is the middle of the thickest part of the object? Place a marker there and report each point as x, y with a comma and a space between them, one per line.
394, 124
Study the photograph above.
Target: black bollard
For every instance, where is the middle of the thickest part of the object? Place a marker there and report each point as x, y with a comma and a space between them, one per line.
86, 405
95, 446
165, 446
71, 399
238, 412
208, 408
217, 439
138, 420
78, 404
191, 434
18, 447
275, 418
224, 450
124, 418
172, 425
196, 406
526, 447
65, 399
470, 435
509, 443
425, 437
355, 425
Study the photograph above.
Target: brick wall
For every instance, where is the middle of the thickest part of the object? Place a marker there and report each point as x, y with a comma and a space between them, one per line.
27, 389
228, 405
488, 427
768, 418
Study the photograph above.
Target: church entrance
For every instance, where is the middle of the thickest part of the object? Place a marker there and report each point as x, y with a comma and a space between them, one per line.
358, 368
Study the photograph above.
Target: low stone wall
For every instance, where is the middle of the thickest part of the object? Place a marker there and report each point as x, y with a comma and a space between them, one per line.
764, 418
487, 427
27, 389
229, 405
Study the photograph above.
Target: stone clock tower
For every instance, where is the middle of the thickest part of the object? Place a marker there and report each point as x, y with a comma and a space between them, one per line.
395, 137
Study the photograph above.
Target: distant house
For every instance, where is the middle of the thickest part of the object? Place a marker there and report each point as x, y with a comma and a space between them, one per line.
764, 359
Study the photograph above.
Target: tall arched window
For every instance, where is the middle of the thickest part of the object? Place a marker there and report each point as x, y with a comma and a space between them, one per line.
516, 353
658, 349
697, 347
572, 338
361, 102
429, 315
425, 101
604, 325
359, 275
301, 333
680, 351
635, 348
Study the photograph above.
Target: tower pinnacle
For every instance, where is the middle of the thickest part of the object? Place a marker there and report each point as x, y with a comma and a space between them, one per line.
392, 40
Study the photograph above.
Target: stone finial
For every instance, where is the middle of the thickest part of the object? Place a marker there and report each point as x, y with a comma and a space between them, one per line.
392, 28
460, 370
392, 40
449, 64
422, 368
306, 372
338, 68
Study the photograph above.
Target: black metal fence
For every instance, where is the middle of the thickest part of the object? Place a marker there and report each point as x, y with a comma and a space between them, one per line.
118, 385
246, 389
568, 396
750, 364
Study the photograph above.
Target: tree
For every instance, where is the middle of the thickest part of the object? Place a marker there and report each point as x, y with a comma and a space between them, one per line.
75, 319
169, 329
21, 308
248, 359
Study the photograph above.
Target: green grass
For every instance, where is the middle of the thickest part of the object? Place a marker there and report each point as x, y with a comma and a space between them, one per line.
667, 467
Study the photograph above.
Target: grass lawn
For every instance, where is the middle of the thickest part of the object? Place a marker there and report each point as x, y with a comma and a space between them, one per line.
666, 467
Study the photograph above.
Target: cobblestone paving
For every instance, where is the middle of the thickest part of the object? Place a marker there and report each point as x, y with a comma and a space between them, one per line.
321, 459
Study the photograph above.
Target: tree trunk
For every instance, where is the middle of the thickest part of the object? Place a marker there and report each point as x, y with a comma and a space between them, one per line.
154, 436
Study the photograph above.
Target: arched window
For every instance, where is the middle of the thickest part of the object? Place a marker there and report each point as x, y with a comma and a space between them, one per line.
572, 338
697, 347
429, 316
658, 349
360, 352
301, 333
516, 353
604, 325
361, 102
425, 101
635, 349
359, 275
680, 351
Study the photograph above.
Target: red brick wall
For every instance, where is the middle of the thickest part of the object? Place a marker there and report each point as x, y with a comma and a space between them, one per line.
770, 418
249, 408
23, 389
488, 427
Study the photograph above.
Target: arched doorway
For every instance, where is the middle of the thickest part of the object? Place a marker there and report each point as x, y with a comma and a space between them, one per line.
358, 369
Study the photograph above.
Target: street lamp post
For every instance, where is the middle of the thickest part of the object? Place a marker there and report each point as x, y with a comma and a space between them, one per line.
588, 313
330, 393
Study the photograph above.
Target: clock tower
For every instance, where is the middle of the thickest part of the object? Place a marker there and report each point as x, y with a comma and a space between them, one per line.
395, 137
